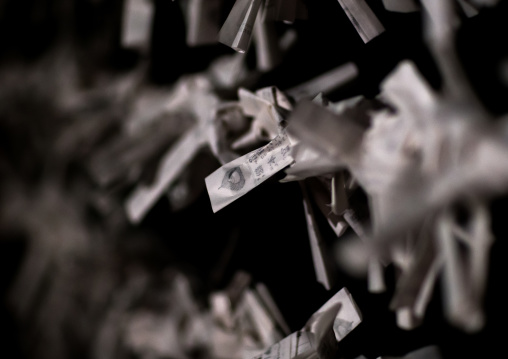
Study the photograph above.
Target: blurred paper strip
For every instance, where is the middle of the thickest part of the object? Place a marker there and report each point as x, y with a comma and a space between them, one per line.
137, 23
428, 352
298, 344
285, 10
415, 274
468, 9
376, 281
442, 21
261, 319
171, 165
203, 18
324, 83
239, 26
459, 307
271, 306
482, 239
318, 338
427, 288
363, 18
268, 52
401, 5
281, 10
238, 177
332, 135
338, 192
317, 246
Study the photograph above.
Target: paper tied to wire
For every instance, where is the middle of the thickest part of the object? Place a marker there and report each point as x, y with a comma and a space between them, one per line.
238, 177
238, 29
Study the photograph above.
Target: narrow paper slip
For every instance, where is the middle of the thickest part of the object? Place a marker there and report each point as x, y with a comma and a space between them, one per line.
137, 22
238, 29
363, 19
238, 177
172, 164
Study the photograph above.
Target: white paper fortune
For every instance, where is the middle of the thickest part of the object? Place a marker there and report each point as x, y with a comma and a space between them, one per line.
238, 177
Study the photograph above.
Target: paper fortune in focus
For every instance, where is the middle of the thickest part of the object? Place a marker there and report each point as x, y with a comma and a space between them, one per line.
238, 177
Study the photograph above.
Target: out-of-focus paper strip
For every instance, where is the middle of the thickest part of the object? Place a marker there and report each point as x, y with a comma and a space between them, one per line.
459, 306
285, 10
376, 280
349, 315
338, 227
485, 2
412, 278
281, 10
261, 319
336, 136
137, 22
239, 26
339, 196
363, 18
268, 51
268, 106
401, 5
427, 288
469, 9
480, 247
171, 165
317, 339
271, 306
122, 160
321, 264
238, 177
301, 10
310, 125
320, 193
203, 18
298, 344
428, 352
324, 83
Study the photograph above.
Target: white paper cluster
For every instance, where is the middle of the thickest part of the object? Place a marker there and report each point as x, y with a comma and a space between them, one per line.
420, 155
